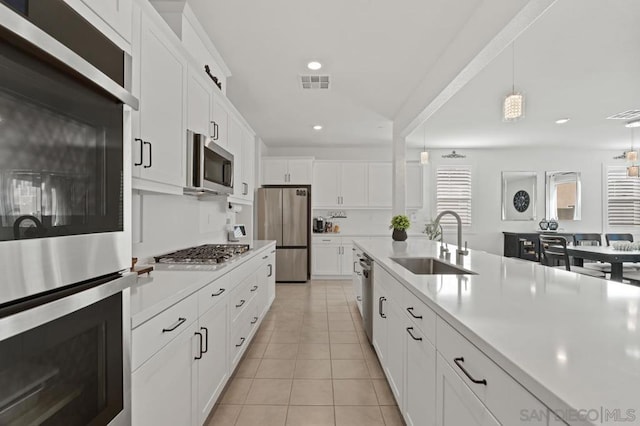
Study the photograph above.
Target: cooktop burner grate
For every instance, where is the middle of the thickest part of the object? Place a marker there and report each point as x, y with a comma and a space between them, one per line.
204, 254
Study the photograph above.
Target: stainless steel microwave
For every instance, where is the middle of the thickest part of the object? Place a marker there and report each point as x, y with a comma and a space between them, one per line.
209, 166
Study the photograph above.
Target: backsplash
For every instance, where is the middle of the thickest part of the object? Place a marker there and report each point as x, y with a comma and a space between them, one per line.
365, 222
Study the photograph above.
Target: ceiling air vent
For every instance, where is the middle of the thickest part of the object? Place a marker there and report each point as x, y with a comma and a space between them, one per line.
626, 115
312, 82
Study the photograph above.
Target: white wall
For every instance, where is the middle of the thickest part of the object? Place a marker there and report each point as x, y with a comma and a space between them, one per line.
163, 223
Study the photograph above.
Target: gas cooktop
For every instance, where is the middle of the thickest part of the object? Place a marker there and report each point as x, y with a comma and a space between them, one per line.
206, 254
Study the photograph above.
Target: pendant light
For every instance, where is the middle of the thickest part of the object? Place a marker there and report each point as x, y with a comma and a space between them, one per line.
632, 156
513, 105
424, 155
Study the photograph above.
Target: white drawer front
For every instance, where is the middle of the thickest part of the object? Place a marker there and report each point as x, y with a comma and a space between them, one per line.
152, 335
421, 315
213, 293
326, 240
502, 395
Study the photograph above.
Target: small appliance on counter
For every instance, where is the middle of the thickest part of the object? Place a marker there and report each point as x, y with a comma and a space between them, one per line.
318, 224
239, 231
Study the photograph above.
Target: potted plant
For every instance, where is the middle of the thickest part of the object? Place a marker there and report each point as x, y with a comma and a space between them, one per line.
399, 223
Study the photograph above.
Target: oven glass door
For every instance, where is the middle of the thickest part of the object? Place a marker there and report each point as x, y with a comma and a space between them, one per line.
66, 372
60, 151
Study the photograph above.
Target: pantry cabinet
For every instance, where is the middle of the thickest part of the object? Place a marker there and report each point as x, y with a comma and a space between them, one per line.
159, 128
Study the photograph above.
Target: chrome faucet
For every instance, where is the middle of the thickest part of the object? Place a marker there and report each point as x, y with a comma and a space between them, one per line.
460, 252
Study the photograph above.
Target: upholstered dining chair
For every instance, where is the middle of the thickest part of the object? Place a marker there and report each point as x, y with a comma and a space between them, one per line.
554, 250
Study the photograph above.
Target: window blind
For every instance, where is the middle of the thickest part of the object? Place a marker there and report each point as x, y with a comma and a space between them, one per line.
453, 192
623, 198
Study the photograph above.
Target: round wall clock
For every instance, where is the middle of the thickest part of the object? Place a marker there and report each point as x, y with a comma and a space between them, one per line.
521, 201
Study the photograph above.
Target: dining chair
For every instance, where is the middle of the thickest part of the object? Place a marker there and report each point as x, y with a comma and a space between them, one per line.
618, 237
591, 240
554, 250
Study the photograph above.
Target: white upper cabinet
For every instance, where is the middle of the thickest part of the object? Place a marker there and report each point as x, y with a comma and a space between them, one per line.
160, 74
380, 175
198, 103
340, 184
116, 14
283, 171
414, 185
220, 122
325, 190
248, 164
353, 189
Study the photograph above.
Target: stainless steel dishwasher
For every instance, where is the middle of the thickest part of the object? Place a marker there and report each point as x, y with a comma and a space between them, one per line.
367, 294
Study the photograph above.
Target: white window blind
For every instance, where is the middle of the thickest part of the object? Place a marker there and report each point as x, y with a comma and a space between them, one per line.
453, 192
623, 198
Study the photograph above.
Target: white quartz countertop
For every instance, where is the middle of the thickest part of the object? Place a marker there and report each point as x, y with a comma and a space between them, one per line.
165, 287
571, 340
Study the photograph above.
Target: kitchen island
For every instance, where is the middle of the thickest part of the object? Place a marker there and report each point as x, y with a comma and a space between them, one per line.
570, 340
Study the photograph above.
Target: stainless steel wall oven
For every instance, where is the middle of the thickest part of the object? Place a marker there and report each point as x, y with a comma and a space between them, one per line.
64, 298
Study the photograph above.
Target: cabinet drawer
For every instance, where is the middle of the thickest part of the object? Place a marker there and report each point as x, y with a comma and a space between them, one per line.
241, 297
328, 239
421, 315
239, 340
213, 293
152, 335
502, 395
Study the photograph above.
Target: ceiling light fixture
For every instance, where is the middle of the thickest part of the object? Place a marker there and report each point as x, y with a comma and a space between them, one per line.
314, 65
633, 123
317, 127
562, 120
424, 155
513, 105
454, 155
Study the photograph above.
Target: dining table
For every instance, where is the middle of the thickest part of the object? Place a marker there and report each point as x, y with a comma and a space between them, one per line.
606, 254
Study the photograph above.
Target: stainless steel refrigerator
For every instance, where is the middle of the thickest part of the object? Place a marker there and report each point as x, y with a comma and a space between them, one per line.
284, 216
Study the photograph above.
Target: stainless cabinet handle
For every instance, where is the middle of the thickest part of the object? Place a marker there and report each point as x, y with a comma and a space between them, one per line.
410, 310
218, 293
199, 356
241, 303
255, 320
242, 339
206, 341
141, 151
254, 288
380, 300
411, 334
175, 325
459, 362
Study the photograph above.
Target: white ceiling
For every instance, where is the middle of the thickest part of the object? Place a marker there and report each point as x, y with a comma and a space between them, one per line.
580, 60
377, 52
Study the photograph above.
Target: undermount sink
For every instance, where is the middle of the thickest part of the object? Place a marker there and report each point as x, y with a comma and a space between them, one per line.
430, 266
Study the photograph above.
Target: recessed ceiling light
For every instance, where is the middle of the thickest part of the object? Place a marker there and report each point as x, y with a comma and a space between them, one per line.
317, 127
314, 65
633, 123
562, 120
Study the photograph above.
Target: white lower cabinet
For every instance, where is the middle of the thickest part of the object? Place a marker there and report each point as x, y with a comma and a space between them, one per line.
436, 375
184, 356
456, 403
332, 256
163, 388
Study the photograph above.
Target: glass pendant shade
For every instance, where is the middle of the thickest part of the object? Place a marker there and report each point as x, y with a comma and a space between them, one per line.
631, 155
633, 171
424, 157
513, 108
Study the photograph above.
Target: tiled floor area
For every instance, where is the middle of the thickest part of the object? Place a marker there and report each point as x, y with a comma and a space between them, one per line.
309, 365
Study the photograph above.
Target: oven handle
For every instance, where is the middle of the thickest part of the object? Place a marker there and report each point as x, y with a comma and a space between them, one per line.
175, 325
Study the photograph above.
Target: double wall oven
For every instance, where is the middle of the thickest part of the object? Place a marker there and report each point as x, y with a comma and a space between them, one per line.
64, 297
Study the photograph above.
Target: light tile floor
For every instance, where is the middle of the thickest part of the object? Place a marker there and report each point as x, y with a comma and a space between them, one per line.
309, 364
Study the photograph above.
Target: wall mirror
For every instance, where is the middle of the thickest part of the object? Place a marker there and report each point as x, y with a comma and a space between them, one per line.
563, 195
519, 195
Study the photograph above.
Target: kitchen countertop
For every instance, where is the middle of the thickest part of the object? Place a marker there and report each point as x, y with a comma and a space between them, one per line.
165, 287
571, 340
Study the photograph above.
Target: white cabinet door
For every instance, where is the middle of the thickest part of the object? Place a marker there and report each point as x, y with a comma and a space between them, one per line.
420, 378
415, 184
326, 259
159, 155
235, 135
455, 403
248, 165
300, 171
379, 183
220, 122
396, 342
326, 182
274, 171
380, 321
346, 257
198, 104
353, 184
163, 388
116, 13
212, 368
271, 275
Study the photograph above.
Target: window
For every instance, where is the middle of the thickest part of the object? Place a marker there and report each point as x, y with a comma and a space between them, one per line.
453, 192
623, 198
